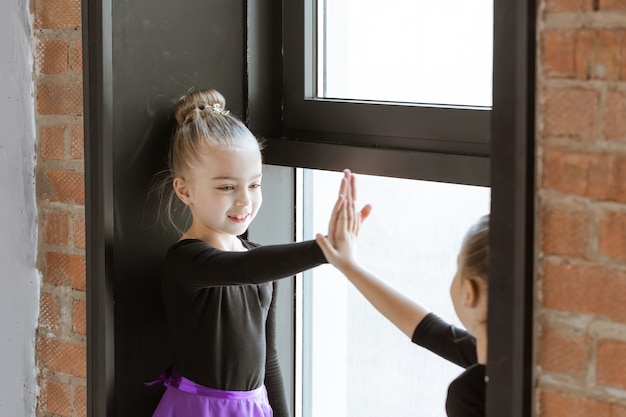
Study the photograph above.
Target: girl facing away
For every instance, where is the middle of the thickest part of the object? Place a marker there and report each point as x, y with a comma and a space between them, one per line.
218, 288
469, 288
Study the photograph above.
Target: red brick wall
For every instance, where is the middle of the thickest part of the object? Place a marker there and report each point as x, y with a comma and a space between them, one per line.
61, 344
581, 196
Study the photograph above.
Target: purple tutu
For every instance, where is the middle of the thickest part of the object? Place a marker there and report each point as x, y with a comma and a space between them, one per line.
185, 398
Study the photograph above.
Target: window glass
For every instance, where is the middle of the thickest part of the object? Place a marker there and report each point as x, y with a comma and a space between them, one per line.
415, 51
353, 361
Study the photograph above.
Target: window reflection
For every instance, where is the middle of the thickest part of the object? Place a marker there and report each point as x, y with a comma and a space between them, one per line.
357, 363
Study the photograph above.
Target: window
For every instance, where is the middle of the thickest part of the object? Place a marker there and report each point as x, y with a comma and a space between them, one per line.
452, 144
353, 361
473, 144
352, 77
398, 89
405, 51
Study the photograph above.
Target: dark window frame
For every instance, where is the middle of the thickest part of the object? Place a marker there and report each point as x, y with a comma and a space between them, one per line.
450, 129
509, 171
512, 210
428, 142
507, 167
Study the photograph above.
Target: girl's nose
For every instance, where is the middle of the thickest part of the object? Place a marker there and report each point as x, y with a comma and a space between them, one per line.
243, 198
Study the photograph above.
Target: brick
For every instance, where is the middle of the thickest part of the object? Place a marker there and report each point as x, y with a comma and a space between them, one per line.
565, 171
56, 14
52, 56
56, 227
80, 401
56, 398
78, 231
52, 142
63, 356
60, 98
557, 47
570, 112
64, 269
558, 404
611, 362
612, 4
597, 176
563, 351
560, 6
614, 117
586, 289
79, 317
55, 265
606, 177
612, 235
78, 276
76, 57
77, 142
48, 311
598, 54
66, 186
564, 229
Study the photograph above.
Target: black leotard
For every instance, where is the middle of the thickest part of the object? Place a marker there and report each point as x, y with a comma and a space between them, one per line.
466, 394
221, 315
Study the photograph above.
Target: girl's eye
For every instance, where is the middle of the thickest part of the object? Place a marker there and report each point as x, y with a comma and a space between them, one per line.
255, 186
227, 188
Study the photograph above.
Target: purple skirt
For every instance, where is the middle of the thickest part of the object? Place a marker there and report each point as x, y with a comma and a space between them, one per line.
185, 398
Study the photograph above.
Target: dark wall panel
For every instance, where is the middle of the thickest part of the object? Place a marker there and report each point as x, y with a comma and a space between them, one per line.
158, 51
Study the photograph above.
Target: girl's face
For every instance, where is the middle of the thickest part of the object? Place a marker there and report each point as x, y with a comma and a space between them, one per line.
223, 192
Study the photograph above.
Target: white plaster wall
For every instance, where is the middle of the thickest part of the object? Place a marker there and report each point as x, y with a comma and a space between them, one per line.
19, 278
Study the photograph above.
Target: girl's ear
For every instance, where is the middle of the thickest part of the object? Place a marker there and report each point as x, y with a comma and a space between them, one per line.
182, 189
471, 292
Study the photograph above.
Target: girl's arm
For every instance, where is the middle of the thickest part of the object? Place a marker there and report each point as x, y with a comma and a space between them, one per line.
403, 312
194, 263
399, 309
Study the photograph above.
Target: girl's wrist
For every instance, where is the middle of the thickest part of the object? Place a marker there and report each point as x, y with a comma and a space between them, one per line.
349, 267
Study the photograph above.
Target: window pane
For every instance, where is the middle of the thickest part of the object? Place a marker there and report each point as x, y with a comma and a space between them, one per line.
356, 363
415, 51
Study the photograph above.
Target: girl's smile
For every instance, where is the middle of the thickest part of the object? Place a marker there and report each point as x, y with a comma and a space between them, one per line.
240, 219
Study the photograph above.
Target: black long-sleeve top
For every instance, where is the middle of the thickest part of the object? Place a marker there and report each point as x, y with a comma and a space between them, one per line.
221, 315
466, 394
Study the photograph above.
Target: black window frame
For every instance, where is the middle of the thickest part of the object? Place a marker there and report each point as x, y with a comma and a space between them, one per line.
504, 159
407, 140
450, 129
506, 165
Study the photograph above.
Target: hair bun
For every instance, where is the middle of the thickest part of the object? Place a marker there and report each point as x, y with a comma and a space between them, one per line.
199, 103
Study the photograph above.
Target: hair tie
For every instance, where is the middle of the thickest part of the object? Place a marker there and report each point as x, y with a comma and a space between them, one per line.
202, 109
215, 108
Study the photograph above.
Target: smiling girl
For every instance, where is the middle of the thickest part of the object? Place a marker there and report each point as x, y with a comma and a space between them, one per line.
218, 288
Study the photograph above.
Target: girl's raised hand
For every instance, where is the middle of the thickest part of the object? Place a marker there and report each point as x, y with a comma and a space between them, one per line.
343, 229
347, 187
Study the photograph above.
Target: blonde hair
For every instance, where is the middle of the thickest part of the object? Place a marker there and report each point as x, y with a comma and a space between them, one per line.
203, 123
475, 249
